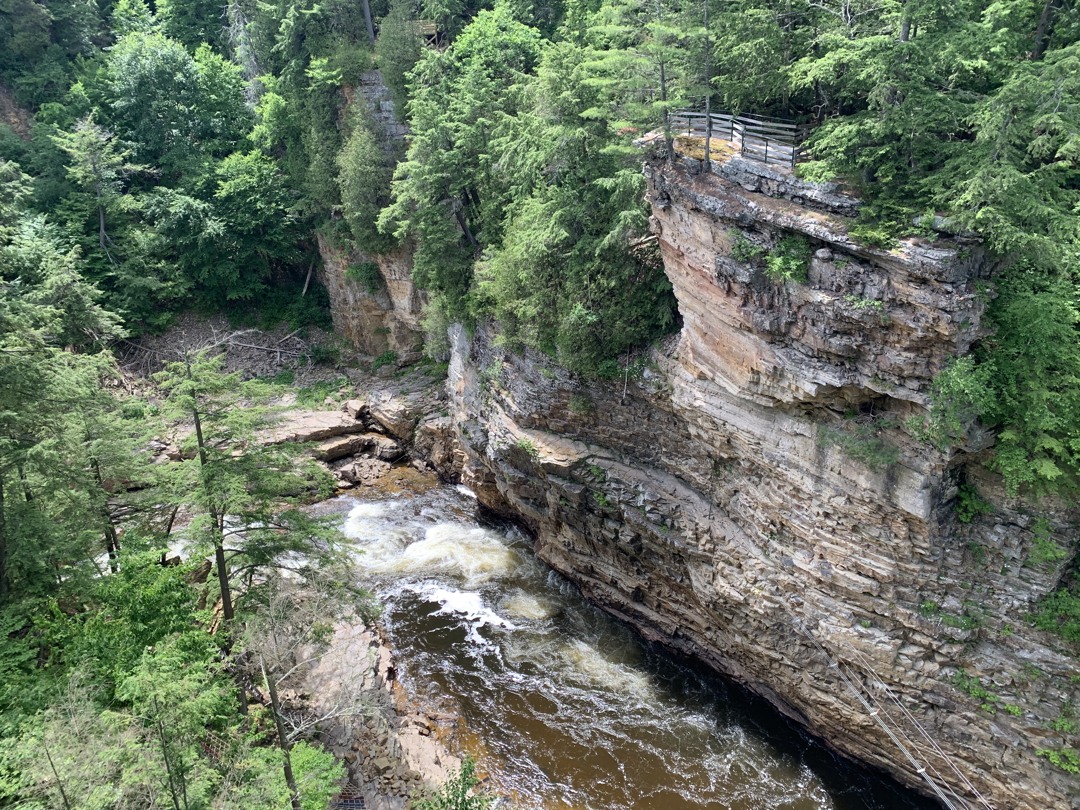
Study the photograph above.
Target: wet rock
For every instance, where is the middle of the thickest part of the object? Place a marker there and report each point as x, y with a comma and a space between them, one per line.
365, 471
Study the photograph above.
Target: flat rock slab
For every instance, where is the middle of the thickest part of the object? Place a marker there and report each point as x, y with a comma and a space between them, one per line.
312, 426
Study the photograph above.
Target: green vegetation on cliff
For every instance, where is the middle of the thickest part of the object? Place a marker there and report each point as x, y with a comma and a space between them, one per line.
186, 155
191, 154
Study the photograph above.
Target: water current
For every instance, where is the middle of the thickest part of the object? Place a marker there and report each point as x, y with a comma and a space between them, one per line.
565, 707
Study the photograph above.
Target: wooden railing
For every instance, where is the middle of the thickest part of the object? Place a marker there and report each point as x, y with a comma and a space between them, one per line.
768, 140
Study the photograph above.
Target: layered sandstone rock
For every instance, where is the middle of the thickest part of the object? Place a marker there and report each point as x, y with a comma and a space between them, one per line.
386, 316
708, 501
375, 321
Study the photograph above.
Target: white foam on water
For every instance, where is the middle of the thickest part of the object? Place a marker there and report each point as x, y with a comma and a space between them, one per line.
379, 539
589, 664
464, 490
475, 555
467, 604
527, 606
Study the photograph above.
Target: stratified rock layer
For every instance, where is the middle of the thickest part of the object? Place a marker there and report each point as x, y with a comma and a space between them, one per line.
750, 497
384, 316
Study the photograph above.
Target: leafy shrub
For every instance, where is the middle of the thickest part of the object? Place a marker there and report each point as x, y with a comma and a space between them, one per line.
367, 274
324, 354
1065, 758
315, 395
580, 404
1043, 547
860, 441
456, 793
284, 304
1059, 613
789, 260
959, 394
973, 687
742, 249
387, 358
529, 446
969, 505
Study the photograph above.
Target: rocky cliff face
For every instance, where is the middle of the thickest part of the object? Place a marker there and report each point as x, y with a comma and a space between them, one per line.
386, 318
383, 316
748, 494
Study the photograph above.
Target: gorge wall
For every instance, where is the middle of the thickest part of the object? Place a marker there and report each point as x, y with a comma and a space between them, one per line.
377, 313
749, 494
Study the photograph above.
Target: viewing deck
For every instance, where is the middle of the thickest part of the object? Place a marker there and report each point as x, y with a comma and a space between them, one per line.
771, 141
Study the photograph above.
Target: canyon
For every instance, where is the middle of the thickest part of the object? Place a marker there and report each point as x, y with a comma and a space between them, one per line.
750, 492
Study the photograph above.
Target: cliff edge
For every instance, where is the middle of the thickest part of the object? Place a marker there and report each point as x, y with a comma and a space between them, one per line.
748, 493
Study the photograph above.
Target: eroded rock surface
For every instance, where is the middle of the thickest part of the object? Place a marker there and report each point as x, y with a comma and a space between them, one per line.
713, 507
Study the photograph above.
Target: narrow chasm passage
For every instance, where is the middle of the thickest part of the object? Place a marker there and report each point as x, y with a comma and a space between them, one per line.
564, 706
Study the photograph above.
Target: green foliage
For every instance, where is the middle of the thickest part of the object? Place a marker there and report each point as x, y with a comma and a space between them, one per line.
528, 446
366, 273
969, 504
245, 496
314, 396
458, 793
397, 51
580, 404
387, 358
742, 249
973, 687
860, 304
959, 394
789, 260
1059, 612
1032, 367
366, 167
1044, 549
1067, 759
861, 441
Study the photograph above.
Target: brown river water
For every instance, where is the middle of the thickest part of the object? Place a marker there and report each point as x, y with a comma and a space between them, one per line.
566, 708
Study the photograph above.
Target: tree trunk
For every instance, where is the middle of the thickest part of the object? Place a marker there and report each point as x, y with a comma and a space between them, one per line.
112, 540
460, 216
283, 741
1046, 24
367, 21
219, 548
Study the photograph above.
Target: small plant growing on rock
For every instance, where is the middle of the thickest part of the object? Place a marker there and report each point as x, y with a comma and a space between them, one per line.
1065, 758
387, 358
597, 473
972, 687
1043, 547
862, 442
367, 274
969, 505
580, 404
742, 249
529, 446
789, 260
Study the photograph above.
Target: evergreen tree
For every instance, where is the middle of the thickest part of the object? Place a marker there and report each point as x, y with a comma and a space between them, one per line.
246, 494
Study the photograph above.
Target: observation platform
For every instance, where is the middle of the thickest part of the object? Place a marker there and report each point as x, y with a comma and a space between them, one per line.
773, 141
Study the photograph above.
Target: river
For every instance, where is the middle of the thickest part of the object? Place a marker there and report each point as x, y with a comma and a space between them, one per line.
565, 707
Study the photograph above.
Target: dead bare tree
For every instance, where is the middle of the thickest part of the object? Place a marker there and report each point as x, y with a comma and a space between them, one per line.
298, 625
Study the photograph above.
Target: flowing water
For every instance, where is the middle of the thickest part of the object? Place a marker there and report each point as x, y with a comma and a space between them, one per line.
565, 707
